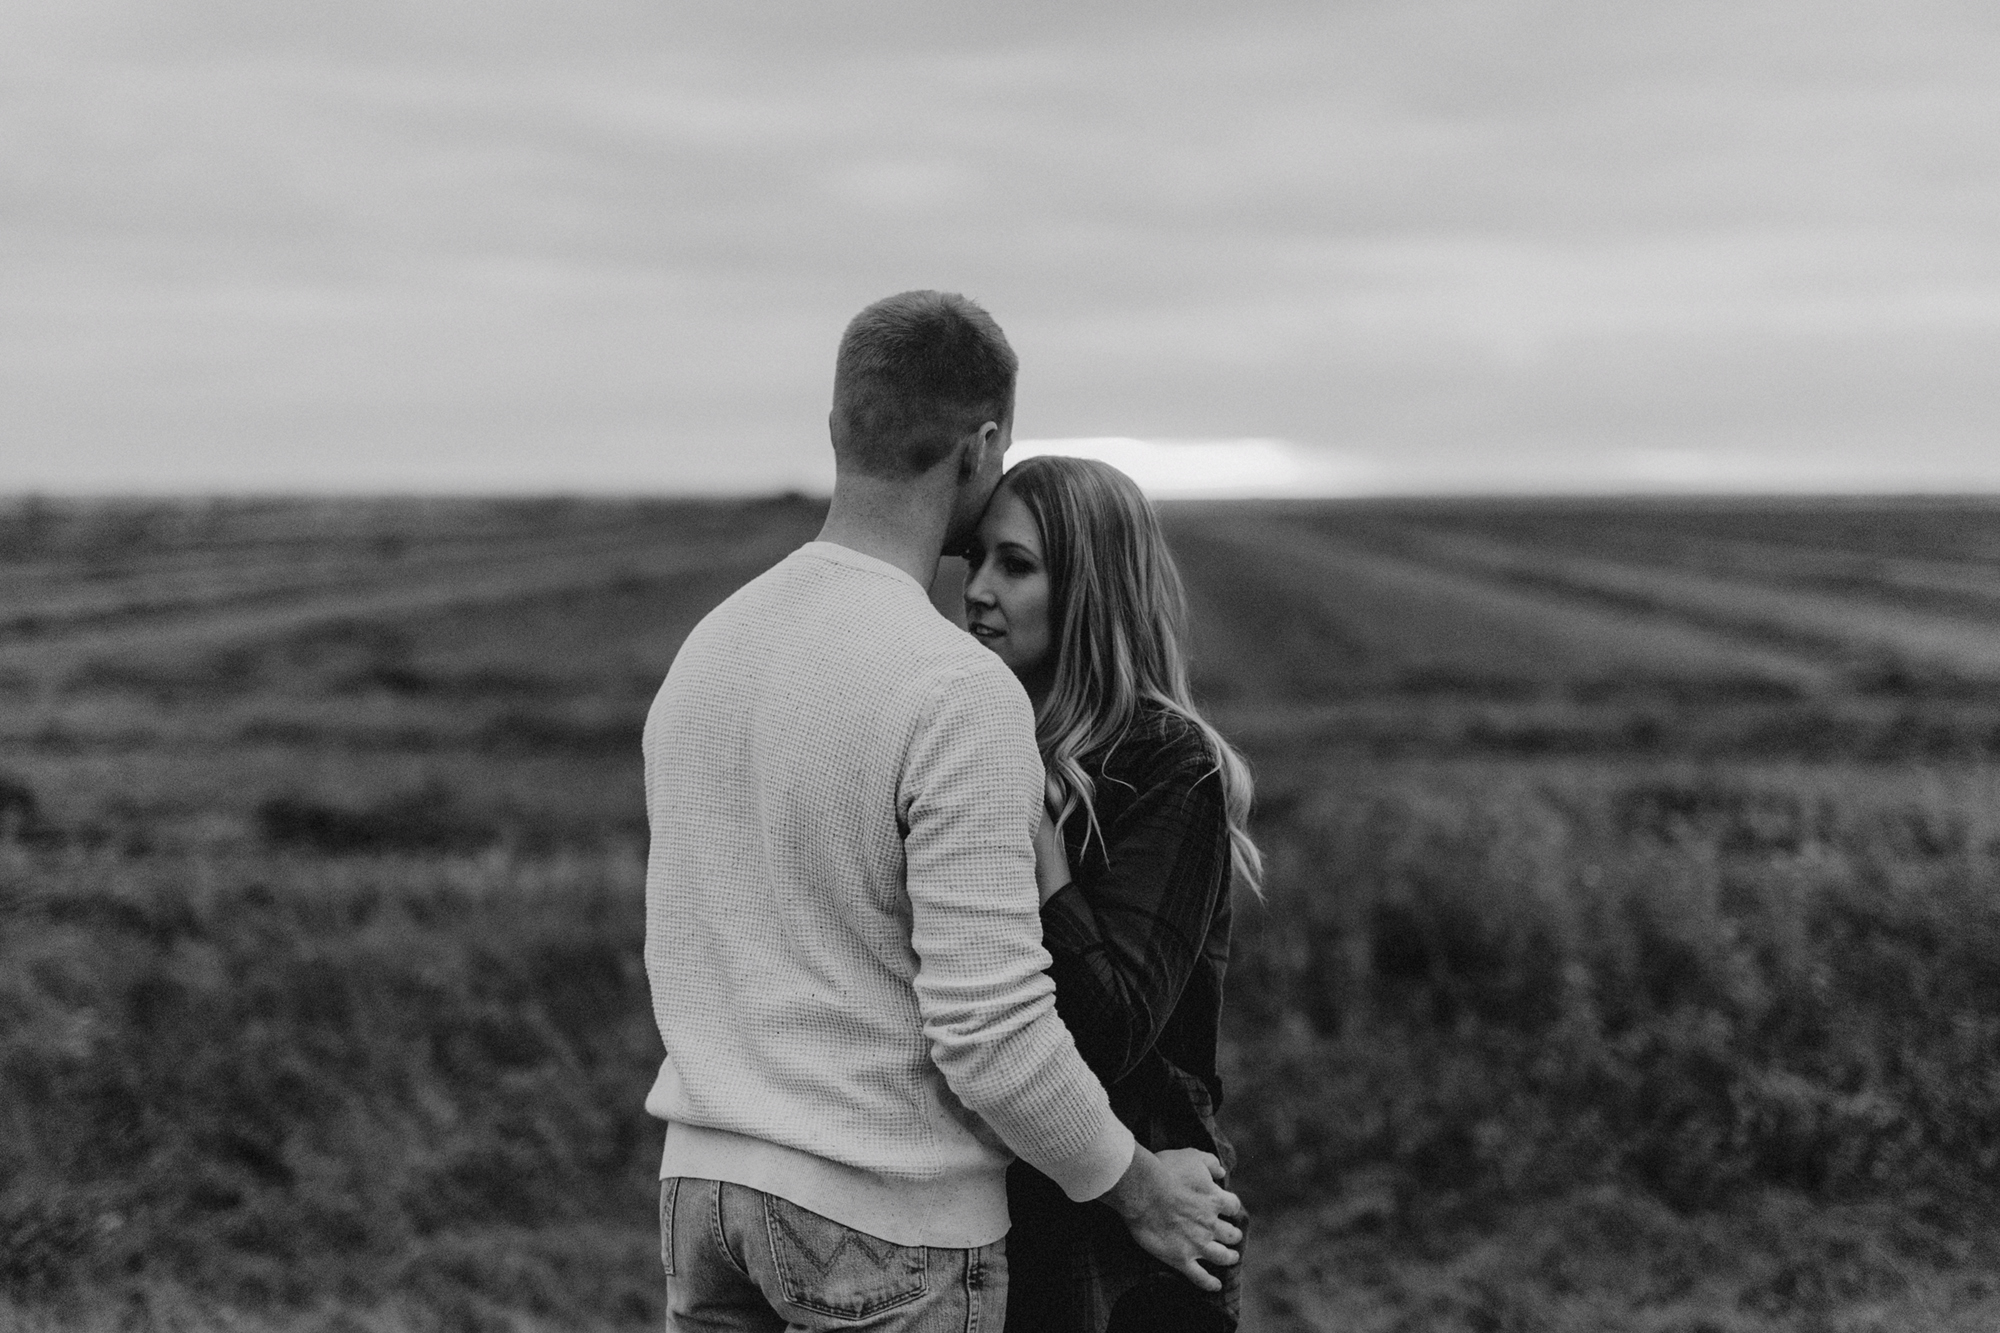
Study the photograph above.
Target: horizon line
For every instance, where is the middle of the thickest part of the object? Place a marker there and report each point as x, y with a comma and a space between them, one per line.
330, 495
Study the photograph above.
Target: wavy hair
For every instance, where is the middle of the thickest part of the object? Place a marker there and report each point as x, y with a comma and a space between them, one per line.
1118, 616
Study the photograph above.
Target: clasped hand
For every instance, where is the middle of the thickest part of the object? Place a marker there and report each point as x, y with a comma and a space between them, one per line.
1175, 1207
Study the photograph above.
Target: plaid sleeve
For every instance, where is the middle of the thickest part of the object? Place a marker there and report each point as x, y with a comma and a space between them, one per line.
1124, 941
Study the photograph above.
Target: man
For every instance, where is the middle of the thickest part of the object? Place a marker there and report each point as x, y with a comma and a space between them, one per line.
842, 927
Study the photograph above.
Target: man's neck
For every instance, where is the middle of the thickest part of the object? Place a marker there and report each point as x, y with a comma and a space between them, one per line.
898, 523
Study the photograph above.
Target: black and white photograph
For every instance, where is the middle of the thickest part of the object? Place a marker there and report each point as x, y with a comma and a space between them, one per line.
1012, 668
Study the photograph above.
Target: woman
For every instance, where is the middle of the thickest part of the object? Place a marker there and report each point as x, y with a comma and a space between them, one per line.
1070, 582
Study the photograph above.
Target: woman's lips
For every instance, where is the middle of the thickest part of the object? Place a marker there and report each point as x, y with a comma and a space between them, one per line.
985, 631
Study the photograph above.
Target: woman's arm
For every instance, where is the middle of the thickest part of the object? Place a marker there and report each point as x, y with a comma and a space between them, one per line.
1122, 955
1051, 859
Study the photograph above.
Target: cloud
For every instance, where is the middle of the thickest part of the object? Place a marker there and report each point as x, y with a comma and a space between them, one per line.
1214, 469
453, 244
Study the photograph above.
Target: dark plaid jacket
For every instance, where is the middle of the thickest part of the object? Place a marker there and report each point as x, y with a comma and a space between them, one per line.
1139, 943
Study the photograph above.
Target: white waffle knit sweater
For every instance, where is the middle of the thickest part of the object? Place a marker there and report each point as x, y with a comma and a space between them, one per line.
842, 931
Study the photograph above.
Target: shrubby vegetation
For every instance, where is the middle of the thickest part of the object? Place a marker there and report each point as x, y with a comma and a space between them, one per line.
1695, 986
415, 1077
280, 1083
1594, 988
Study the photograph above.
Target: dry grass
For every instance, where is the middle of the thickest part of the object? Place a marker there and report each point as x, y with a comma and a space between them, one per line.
1385, 611
1618, 971
1615, 1261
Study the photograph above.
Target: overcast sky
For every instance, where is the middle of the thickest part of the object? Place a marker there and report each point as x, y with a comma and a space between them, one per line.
610, 244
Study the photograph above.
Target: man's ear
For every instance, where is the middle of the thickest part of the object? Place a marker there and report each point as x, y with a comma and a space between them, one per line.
972, 453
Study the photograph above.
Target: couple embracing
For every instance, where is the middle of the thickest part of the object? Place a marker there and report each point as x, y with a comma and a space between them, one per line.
937, 921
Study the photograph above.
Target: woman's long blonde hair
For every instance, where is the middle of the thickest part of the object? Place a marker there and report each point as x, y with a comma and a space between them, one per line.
1118, 618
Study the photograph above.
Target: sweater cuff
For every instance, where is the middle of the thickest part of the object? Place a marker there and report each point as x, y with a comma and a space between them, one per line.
1101, 1163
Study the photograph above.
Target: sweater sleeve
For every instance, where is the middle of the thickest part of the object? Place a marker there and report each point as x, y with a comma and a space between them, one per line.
972, 791
1123, 952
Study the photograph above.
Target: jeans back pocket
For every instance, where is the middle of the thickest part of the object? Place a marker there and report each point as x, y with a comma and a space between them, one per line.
670, 1194
835, 1270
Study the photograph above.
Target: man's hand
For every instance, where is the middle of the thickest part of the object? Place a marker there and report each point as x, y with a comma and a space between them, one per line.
1174, 1207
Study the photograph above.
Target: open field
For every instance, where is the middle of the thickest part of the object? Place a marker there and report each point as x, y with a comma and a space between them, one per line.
1631, 958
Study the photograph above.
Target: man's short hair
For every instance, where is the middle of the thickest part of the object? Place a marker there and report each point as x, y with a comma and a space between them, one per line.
917, 372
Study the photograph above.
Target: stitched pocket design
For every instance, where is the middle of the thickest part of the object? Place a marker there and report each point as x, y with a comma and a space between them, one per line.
835, 1270
670, 1193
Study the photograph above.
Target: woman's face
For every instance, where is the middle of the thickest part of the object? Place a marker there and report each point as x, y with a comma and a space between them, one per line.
1007, 589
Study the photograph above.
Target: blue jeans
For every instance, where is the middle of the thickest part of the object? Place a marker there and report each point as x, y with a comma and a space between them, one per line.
738, 1259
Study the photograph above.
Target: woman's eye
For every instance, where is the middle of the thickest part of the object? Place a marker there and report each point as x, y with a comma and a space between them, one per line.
1018, 568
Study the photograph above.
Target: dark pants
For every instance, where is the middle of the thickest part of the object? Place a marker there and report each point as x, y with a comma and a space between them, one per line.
1076, 1269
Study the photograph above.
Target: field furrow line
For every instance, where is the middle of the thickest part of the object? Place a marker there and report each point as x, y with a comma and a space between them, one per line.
219, 585
1426, 615
460, 586
1843, 627
1969, 584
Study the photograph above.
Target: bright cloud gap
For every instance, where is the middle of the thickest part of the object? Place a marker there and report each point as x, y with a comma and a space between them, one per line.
1211, 469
